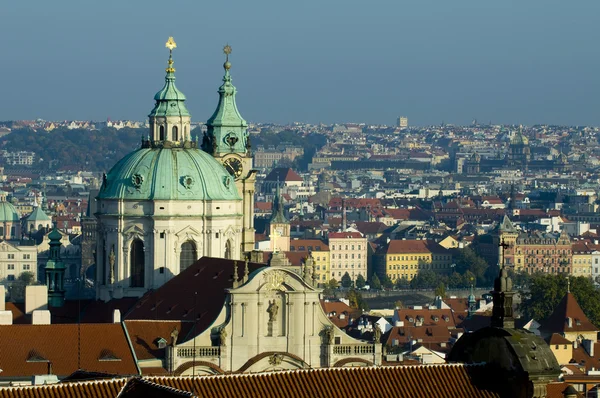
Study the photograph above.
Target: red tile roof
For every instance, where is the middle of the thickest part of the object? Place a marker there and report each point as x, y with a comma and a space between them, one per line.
415, 246
568, 308
308, 244
344, 235
282, 174
27, 349
423, 381
144, 336
199, 290
339, 313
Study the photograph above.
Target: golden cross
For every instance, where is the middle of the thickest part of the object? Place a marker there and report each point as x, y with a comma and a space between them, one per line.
171, 44
227, 51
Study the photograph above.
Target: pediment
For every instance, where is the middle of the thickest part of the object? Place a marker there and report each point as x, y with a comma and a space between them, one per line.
188, 231
134, 230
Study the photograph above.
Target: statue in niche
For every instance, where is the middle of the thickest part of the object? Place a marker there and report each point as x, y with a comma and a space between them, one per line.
111, 264
273, 309
174, 335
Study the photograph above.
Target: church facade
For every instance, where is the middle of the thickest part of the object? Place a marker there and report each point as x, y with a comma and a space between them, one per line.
168, 203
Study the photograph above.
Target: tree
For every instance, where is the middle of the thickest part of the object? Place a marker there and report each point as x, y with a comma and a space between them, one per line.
402, 283
387, 282
425, 279
330, 287
440, 291
455, 280
346, 280
398, 304
356, 300
17, 288
468, 260
375, 282
360, 281
546, 291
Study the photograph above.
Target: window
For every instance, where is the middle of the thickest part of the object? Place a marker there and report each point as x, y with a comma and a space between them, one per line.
137, 264
10, 277
228, 252
161, 135
26, 256
175, 133
26, 267
11, 256
162, 235
188, 255
11, 266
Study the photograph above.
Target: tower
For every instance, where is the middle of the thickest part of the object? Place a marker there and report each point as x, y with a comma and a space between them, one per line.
279, 228
55, 271
227, 139
520, 153
472, 304
164, 205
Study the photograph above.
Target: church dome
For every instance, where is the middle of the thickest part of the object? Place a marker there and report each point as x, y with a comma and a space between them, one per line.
160, 173
8, 212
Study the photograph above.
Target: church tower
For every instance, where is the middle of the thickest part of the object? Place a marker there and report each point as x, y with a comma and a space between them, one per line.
279, 228
227, 139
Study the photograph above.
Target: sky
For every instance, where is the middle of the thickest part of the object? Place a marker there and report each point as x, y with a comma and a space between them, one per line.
316, 61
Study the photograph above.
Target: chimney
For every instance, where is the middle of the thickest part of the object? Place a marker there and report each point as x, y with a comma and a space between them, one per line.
116, 316
2, 298
40, 317
588, 345
36, 298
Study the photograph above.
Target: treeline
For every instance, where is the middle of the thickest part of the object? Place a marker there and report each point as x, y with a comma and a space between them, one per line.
93, 150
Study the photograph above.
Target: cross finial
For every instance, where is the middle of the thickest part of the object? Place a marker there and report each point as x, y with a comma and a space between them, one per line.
227, 51
171, 45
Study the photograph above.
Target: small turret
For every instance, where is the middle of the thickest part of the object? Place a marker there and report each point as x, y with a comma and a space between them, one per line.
472, 304
55, 271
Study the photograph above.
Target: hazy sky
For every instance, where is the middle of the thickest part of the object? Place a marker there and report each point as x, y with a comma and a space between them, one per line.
508, 61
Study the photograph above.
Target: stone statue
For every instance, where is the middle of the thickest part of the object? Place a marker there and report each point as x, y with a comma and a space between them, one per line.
174, 335
376, 334
272, 310
223, 337
111, 264
328, 334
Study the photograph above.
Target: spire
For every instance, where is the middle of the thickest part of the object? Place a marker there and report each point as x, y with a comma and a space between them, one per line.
502, 311
227, 130
472, 304
169, 120
278, 215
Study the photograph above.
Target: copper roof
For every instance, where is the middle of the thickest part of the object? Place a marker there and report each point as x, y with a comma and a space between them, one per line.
28, 348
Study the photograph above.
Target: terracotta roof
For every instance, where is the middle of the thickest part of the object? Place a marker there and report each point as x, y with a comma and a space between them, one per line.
366, 227
308, 244
567, 312
339, 313
263, 206
398, 381
415, 246
555, 390
557, 339
421, 381
282, 174
144, 336
344, 235
202, 283
421, 334
28, 348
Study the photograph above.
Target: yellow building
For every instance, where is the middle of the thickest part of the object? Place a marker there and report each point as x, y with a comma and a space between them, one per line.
320, 254
561, 348
582, 259
404, 258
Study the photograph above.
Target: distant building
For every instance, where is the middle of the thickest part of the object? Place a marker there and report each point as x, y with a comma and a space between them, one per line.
402, 122
405, 258
15, 259
20, 158
348, 254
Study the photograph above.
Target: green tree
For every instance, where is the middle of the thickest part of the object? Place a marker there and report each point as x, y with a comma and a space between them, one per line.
387, 282
17, 287
398, 304
360, 281
402, 283
425, 279
356, 300
330, 287
346, 280
468, 260
455, 280
375, 282
469, 279
440, 290
546, 291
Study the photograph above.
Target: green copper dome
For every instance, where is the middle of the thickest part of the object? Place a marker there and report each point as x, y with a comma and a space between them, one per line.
8, 212
169, 100
161, 173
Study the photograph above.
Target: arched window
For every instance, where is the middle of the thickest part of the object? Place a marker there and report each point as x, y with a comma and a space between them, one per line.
136, 263
13, 232
188, 255
175, 138
161, 134
228, 253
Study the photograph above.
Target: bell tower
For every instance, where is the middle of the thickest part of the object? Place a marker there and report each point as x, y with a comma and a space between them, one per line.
227, 139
